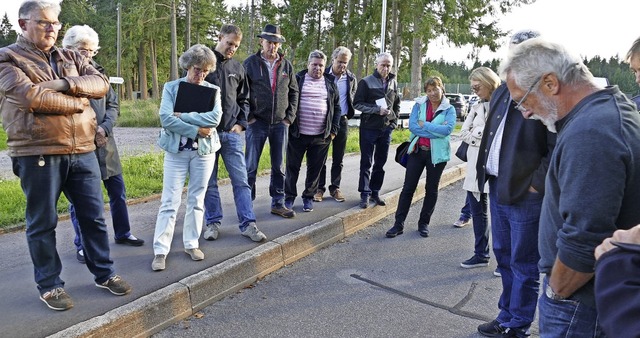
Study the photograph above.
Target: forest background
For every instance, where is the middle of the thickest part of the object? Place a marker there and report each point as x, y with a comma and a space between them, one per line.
155, 32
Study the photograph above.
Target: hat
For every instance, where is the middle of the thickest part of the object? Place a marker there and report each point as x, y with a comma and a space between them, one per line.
272, 33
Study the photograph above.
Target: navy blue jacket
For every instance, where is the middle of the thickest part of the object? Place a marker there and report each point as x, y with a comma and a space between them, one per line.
525, 152
332, 124
352, 85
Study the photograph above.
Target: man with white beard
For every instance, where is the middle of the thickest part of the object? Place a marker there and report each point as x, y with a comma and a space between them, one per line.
593, 180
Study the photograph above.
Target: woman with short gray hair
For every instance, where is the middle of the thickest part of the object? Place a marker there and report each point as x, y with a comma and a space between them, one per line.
190, 142
84, 40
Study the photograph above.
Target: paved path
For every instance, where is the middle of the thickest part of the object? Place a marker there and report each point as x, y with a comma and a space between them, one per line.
161, 298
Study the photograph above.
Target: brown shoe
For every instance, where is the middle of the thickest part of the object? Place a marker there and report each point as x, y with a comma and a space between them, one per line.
338, 196
283, 211
318, 196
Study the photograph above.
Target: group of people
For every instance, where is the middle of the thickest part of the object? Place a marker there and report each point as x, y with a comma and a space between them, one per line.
551, 154
558, 152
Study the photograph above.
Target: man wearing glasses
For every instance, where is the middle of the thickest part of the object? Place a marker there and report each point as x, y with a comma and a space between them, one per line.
513, 158
51, 130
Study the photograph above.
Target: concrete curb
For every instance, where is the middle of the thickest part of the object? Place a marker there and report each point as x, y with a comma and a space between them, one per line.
151, 313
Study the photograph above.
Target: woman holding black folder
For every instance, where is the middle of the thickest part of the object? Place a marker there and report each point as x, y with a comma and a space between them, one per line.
190, 142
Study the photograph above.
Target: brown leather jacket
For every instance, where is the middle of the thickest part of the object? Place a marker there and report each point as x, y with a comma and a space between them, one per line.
41, 121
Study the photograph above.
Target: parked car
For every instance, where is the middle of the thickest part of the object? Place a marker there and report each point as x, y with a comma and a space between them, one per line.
471, 100
460, 104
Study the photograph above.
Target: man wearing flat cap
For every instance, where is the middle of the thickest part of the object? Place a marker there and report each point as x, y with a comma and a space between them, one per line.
273, 105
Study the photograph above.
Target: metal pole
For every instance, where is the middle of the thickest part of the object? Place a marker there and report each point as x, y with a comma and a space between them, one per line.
382, 26
118, 49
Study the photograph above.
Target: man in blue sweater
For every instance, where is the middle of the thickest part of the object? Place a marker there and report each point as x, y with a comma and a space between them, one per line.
593, 181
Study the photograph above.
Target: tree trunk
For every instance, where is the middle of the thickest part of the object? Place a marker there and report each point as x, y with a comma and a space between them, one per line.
173, 75
142, 72
129, 89
416, 66
155, 89
187, 30
395, 36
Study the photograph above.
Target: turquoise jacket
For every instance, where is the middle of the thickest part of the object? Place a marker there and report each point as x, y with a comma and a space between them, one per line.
437, 131
188, 123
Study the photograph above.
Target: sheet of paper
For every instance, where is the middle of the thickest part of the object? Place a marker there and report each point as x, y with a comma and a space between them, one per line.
381, 102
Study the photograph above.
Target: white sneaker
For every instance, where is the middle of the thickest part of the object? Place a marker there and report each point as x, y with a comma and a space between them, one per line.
253, 233
196, 254
211, 231
158, 262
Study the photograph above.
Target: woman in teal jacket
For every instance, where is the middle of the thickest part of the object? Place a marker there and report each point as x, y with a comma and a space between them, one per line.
190, 142
431, 122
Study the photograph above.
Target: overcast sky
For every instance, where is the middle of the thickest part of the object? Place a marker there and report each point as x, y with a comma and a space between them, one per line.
586, 27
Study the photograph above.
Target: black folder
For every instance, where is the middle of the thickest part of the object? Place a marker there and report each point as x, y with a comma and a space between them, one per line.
194, 98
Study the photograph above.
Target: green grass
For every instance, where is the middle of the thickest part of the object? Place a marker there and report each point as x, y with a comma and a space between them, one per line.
3, 139
142, 173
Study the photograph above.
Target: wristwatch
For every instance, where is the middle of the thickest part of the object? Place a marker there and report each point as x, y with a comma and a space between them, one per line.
551, 294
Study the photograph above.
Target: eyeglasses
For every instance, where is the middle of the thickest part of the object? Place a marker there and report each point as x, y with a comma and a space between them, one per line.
475, 88
45, 24
524, 98
88, 52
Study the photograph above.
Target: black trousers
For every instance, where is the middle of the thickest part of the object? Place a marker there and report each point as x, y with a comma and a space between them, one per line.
337, 155
316, 148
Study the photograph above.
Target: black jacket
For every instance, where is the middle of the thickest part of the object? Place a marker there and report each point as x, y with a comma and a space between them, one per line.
332, 124
369, 90
267, 104
352, 84
234, 85
525, 152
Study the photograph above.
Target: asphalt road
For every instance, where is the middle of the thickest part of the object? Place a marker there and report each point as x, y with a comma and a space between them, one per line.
366, 286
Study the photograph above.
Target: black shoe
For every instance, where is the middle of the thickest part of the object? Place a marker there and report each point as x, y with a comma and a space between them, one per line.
131, 240
364, 202
395, 231
492, 329
378, 201
80, 256
423, 230
475, 262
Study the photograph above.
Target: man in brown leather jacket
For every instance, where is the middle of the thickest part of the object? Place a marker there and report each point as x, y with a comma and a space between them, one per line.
44, 102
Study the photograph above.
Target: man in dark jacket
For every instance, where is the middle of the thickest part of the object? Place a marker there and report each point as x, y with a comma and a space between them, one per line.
273, 105
51, 130
346, 83
379, 103
514, 157
316, 124
234, 86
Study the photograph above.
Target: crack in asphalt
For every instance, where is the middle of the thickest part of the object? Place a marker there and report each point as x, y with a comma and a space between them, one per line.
456, 309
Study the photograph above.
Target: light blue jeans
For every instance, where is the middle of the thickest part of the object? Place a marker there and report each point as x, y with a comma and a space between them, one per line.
176, 169
232, 153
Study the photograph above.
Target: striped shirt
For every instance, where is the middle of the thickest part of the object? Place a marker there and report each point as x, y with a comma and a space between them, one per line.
312, 110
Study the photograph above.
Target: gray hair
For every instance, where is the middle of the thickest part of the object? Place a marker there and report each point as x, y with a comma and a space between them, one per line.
384, 55
486, 76
536, 57
634, 50
198, 55
317, 54
523, 35
341, 50
77, 36
27, 7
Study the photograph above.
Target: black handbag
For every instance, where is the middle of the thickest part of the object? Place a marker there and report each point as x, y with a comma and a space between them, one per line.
401, 153
461, 153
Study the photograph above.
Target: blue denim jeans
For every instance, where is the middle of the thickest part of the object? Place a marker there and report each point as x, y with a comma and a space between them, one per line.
117, 205
232, 153
257, 134
480, 223
374, 149
566, 318
78, 177
515, 245
465, 212
176, 169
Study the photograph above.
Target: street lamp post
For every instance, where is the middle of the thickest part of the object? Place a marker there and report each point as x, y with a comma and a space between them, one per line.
382, 26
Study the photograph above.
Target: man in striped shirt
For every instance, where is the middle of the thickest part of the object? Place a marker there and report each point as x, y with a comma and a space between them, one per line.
316, 125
